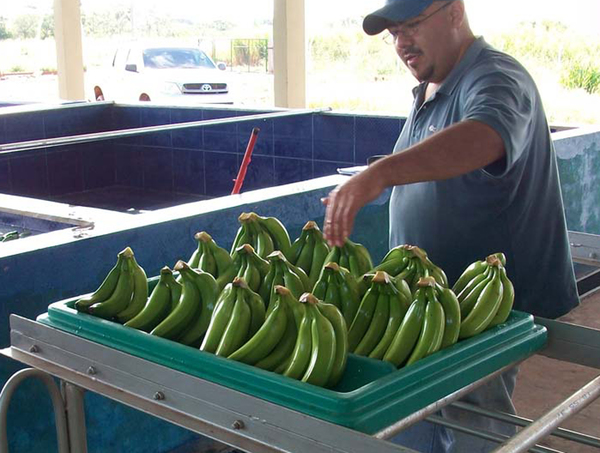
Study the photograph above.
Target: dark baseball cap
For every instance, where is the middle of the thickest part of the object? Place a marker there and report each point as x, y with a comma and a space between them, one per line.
393, 12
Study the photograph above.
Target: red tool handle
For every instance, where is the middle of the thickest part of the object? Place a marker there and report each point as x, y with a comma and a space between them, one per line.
245, 162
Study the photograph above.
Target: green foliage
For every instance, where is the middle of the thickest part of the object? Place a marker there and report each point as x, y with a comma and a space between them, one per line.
47, 30
26, 26
582, 75
249, 52
107, 23
17, 68
4, 33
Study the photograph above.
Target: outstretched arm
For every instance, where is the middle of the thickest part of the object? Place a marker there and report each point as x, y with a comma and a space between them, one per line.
456, 150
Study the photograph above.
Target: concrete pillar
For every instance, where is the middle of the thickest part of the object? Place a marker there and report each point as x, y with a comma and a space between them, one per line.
69, 54
289, 53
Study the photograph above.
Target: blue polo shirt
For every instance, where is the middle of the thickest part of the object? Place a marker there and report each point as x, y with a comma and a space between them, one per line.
512, 206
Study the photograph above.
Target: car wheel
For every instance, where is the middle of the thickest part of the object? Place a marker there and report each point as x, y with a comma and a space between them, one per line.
144, 97
98, 94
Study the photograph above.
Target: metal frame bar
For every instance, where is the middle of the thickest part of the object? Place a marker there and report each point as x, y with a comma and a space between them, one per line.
523, 422
60, 416
544, 425
223, 414
10, 148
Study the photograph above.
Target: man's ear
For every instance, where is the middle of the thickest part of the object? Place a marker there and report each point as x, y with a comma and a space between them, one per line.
457, 12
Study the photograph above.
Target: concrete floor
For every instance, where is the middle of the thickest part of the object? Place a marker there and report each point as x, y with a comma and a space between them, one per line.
543, 383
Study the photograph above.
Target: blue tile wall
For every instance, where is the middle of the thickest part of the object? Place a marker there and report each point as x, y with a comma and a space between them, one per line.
220, 171
5, 179
3, 137
376, 135
65, 170
99, 165
158, 168
260, 173
24, 127
188, 171
29, 174
292, 170
198, 160
129, 169
155, 117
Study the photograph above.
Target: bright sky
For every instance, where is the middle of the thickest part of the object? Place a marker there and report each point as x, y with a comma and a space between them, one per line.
485, 15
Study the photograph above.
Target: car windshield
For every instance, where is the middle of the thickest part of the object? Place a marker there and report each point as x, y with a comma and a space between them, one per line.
176, 58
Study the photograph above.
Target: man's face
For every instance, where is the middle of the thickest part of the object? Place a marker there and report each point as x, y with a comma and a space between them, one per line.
423, 43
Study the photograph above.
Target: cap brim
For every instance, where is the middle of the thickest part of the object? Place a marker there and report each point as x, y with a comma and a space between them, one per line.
397, 11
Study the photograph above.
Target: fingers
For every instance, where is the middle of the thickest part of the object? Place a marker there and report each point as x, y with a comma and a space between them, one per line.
339, 216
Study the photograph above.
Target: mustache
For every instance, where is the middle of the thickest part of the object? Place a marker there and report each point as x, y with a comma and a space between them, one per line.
411, 50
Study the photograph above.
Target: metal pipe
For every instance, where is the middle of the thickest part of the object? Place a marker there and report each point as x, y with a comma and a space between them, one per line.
563, 433
421, 414
75, 407
60, 416
484, 434
9, 148
553, 418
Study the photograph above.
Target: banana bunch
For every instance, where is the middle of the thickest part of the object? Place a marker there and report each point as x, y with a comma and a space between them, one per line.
431, 323
211, 258
353, 256
122, 294
265, 234
308, 252
282, 272
238, 315
485, 294
188, 320
410, 263
378, 318
304, 340
249, 266
338, 287
163, 299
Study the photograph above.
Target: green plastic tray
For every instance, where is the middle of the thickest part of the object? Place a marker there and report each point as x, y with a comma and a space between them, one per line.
371, 395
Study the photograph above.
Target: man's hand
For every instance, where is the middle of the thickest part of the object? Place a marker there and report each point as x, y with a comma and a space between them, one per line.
344, 202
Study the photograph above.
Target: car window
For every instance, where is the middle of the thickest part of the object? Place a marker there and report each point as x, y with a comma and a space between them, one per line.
119, 60
176, 58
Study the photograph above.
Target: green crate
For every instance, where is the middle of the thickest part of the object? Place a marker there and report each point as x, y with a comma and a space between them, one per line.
371, 395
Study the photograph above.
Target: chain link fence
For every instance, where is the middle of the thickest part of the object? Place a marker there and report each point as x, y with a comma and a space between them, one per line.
240, 54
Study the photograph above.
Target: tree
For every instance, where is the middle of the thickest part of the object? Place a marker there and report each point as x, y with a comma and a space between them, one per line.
26, 26
47, 30
4, 33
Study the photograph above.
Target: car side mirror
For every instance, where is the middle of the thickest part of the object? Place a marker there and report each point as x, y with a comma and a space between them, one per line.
131, 67
222, 66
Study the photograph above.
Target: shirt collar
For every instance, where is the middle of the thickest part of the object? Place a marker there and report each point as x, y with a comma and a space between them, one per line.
457, 72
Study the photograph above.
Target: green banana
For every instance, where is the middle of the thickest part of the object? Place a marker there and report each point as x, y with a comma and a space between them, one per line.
264, 243
186, 311
298, 244
392, 266
174, 287
340, 329
323, 348
158, 306
485, 308
376, 327
320, 252
397, 310
209, 292
430, 337
105, 289
469, 295
266, 338
474, 269
407, 335
257, 309
120, 297
508, 298
219, 320
302, 350
207, 263
397, 252
278, 232
282, 352
140, 293
451, 308
306, 254
238, 327
363, 317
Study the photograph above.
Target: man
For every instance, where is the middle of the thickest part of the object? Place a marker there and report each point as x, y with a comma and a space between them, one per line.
473, 173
